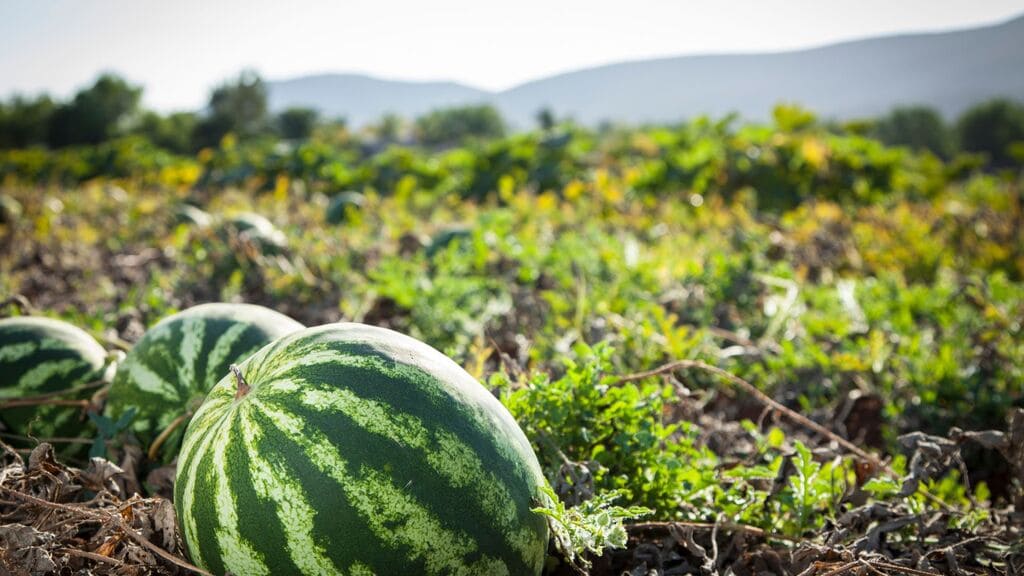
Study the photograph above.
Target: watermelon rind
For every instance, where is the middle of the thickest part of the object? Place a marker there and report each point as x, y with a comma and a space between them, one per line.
358, 450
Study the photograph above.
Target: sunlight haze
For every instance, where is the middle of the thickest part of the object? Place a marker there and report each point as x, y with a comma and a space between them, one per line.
179, 50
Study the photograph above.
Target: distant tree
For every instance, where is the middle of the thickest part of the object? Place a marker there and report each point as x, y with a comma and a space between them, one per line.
454, 125
333, 131
172, 132
389, 128
297, 123
793, 118
917, 127
856, 126
991, 128
238, 107
96, 114
546, 119
25, 122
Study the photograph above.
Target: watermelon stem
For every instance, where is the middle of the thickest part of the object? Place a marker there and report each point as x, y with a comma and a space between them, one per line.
154, 449
20, 302
243, 386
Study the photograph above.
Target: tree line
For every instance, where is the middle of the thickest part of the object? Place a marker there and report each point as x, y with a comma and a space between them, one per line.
994, 128
111, 108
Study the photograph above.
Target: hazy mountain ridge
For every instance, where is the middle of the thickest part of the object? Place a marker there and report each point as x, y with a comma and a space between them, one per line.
361, 98
948, 70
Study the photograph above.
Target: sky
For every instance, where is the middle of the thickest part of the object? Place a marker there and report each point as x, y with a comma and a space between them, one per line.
179, 50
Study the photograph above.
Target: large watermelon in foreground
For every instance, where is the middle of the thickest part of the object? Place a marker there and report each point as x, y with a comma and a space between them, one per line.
170, 370
42, 356
350, 449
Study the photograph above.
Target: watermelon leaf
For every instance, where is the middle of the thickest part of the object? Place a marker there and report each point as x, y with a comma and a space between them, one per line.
107, 430
592, 527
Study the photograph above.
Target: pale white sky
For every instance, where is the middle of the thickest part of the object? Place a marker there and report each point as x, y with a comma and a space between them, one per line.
179, 49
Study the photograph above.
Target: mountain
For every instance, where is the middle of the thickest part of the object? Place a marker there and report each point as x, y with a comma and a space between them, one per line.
362, 99
950, 71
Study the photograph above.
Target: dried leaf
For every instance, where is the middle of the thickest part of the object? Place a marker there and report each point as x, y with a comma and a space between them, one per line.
24, 550
101, 475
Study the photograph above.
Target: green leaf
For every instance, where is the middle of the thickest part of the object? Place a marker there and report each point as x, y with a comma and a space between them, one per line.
882, 487
124, 420
591, 527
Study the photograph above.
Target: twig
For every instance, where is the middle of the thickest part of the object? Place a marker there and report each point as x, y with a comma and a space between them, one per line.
870, 568
956, 545
903, 569
53, 440
131, 533
114, 519
727, 526
754, 391
100, 396
787, 412
714, 542
22, 302
159, 441
54, 394
92, 514
91, 556
19, 402
118, 343
842, 569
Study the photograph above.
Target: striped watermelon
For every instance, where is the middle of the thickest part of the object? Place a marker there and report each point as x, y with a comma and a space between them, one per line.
170, 370
350, 449
260, 232
343, 205
40, 356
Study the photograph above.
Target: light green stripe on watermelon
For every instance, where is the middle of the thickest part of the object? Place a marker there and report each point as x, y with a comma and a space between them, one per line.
169, 371
192, 330
187, 473
147, 381
221, 353
34, 379
359, 569
238, 551
294, 512
358, 450
17, 351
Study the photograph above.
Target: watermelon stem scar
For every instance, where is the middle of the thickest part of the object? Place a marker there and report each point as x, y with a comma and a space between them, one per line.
243, 386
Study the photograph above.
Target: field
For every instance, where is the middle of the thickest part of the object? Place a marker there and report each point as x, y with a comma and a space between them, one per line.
796, 349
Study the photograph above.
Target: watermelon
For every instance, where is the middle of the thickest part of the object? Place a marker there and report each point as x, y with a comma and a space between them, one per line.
169, 371
10, 209
451, 235
41, 356
343, 205
192, 216
260, 232
352, 449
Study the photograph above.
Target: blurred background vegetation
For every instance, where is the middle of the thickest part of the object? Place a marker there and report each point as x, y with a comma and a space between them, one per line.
109, 110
